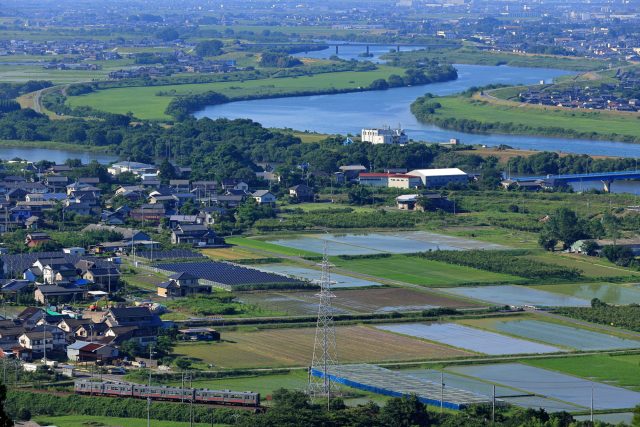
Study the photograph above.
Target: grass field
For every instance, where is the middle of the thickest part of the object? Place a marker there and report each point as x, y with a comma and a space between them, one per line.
244, 242
294, 347
592, 267
145, 104
101, 421
501, 236
616, 370
231, 254
420, 271
586, 122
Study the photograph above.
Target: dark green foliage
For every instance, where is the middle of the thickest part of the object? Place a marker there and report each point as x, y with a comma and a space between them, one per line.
623, 316
181, 106
545, 163
564, 226
379, 84
55, 405
620, 255
7, 105
208, 48
167, 34
508, 262
278, 60
14, 90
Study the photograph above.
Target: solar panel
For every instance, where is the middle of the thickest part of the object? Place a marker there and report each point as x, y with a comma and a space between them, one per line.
227, 273
169, 254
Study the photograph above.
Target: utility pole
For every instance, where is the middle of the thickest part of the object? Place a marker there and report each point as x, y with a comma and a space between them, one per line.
493, 406
441, 391
591, 417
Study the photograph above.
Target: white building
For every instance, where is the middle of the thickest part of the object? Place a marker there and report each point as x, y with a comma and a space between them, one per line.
384, 136
440, 177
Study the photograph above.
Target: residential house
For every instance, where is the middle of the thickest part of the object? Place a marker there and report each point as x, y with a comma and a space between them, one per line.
264, 197
302, 192
199, 334
53, 293
182, 285
35, 239
82, 351
193, 234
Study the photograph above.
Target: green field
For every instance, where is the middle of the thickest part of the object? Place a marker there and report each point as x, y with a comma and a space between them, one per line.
618, 370
268, 247
541, 120
145, 104
102, 421
592, 267
420, 271
472, 55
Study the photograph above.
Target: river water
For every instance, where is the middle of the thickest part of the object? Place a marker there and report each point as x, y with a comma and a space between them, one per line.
350, 112
53, 155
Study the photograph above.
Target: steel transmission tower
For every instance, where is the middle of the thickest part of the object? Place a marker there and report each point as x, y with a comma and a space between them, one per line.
325, 353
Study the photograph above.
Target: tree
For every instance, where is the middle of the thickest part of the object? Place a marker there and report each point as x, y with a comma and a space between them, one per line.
208, 48
183, 364
379, 84
404, 412
590, 247
5, 421
167, 171
167, 34
565, 226
635, 422
359, 195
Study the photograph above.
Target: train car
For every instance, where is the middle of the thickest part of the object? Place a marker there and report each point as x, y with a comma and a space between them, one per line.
173, 394
88, 387
117, 389
227, 397
167, 393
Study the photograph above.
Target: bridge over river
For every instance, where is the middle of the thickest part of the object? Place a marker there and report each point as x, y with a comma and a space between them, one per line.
557, 180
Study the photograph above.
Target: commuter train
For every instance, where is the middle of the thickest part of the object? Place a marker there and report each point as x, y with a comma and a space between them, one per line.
174, 394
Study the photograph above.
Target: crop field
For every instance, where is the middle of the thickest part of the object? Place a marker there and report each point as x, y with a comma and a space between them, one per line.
373, 243
469, 338
230, 254
244, 242
611, 293
519, 296
382, 300
294, 347
590, 266
419, 271
552, 384
598, 123
501, 236
102, 421
339, 280
145, 104
555, 334
616, 370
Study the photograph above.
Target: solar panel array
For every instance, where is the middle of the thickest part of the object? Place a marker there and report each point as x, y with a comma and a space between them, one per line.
169, 254
227, 273
393, 383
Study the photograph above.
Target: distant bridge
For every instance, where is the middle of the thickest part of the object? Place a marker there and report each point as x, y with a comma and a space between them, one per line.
605, 177
338, 45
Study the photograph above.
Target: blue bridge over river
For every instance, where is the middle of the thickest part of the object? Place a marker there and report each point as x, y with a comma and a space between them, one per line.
605, 177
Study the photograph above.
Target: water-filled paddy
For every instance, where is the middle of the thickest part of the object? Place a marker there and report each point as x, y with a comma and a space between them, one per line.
567, 336
553, 385
607, 292
518, 296
470, 338
339, 280
373, 243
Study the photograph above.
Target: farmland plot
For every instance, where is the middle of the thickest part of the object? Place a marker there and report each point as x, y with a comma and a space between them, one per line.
518, 296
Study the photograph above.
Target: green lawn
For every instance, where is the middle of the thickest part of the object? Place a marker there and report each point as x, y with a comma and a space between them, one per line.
268, 247
421, 271
584, 122
101, 421
145, 104
619, 370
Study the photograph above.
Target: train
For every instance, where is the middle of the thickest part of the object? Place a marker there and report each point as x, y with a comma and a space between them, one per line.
173, 394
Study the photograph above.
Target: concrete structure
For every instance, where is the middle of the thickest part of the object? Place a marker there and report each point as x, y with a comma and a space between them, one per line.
384, 136
440, 177
391, 180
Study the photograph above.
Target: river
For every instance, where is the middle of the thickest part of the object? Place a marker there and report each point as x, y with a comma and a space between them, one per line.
349, 112
54, 155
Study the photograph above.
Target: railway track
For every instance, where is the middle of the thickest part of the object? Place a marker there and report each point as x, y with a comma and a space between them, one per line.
59, 393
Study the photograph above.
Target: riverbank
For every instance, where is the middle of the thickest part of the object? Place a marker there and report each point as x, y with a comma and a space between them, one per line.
474, 56
151, 102
481, 116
